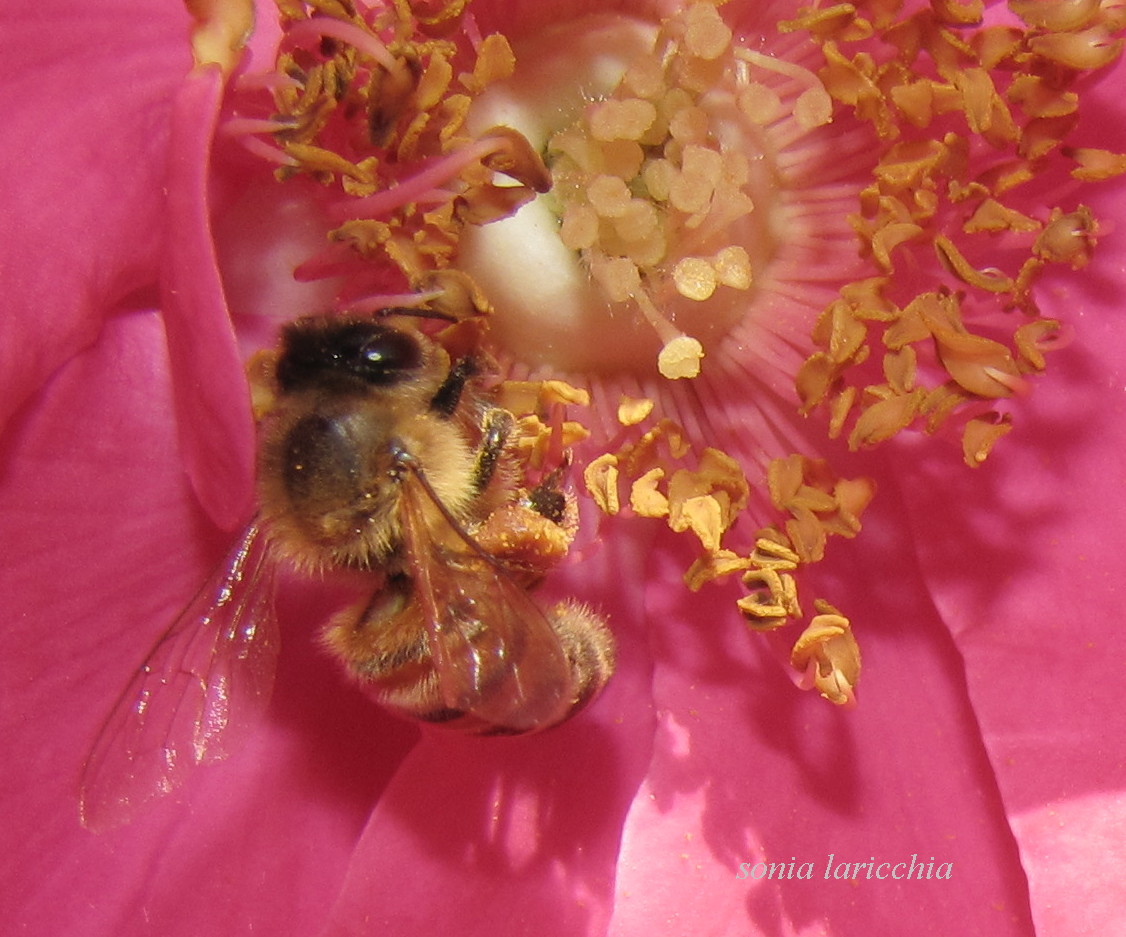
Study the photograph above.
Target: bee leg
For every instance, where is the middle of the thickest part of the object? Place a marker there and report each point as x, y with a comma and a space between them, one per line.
382, 642
589, 647
496, 429
448, 396
548, 499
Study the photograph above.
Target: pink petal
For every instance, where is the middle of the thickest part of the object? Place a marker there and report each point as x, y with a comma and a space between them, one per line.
746, 770
1029, 582
87, 91
212, 402
537, 819
110, 544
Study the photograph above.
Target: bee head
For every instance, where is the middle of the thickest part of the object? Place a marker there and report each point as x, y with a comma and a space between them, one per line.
339, 354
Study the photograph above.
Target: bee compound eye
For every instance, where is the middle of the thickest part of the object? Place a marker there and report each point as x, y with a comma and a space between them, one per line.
320, 352
386, 357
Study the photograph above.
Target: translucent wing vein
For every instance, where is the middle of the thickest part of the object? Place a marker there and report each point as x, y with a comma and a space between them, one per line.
203, 685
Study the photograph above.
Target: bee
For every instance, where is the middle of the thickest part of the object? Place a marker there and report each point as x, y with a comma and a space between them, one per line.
385, 456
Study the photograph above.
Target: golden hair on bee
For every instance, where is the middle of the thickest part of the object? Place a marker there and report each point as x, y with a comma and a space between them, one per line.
382, 453
350, 399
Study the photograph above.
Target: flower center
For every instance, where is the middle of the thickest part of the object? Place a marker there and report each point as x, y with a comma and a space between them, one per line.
663, 212
637, 202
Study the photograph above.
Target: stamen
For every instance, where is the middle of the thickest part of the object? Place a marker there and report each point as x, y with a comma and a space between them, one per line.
312, 30
265, 81
239, 126
266, 151
1013, 383
828, 656
1056, 15
980, 436
814, 107
377, 301
1012, 92
680, 354
422, 185
242, 129
632, 411
398, 196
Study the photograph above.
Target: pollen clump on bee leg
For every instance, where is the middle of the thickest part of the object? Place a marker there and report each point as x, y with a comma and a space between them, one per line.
518, 535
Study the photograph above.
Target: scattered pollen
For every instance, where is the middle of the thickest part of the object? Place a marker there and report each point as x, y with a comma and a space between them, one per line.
963, 120
632, 411
610, 199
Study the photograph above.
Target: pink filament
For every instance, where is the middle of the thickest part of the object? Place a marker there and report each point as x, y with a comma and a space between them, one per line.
377, 301
243, 130
317, 27
416, 187
1015, 383
237, 126
267, 81
267, 151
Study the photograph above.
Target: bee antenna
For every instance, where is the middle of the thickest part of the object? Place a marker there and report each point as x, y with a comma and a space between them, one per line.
417, 312
408, 461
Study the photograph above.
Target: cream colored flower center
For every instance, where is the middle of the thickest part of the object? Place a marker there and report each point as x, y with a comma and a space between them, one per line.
662, 211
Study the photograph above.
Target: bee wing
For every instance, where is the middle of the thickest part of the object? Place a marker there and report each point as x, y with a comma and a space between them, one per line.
204, 683
495, 653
